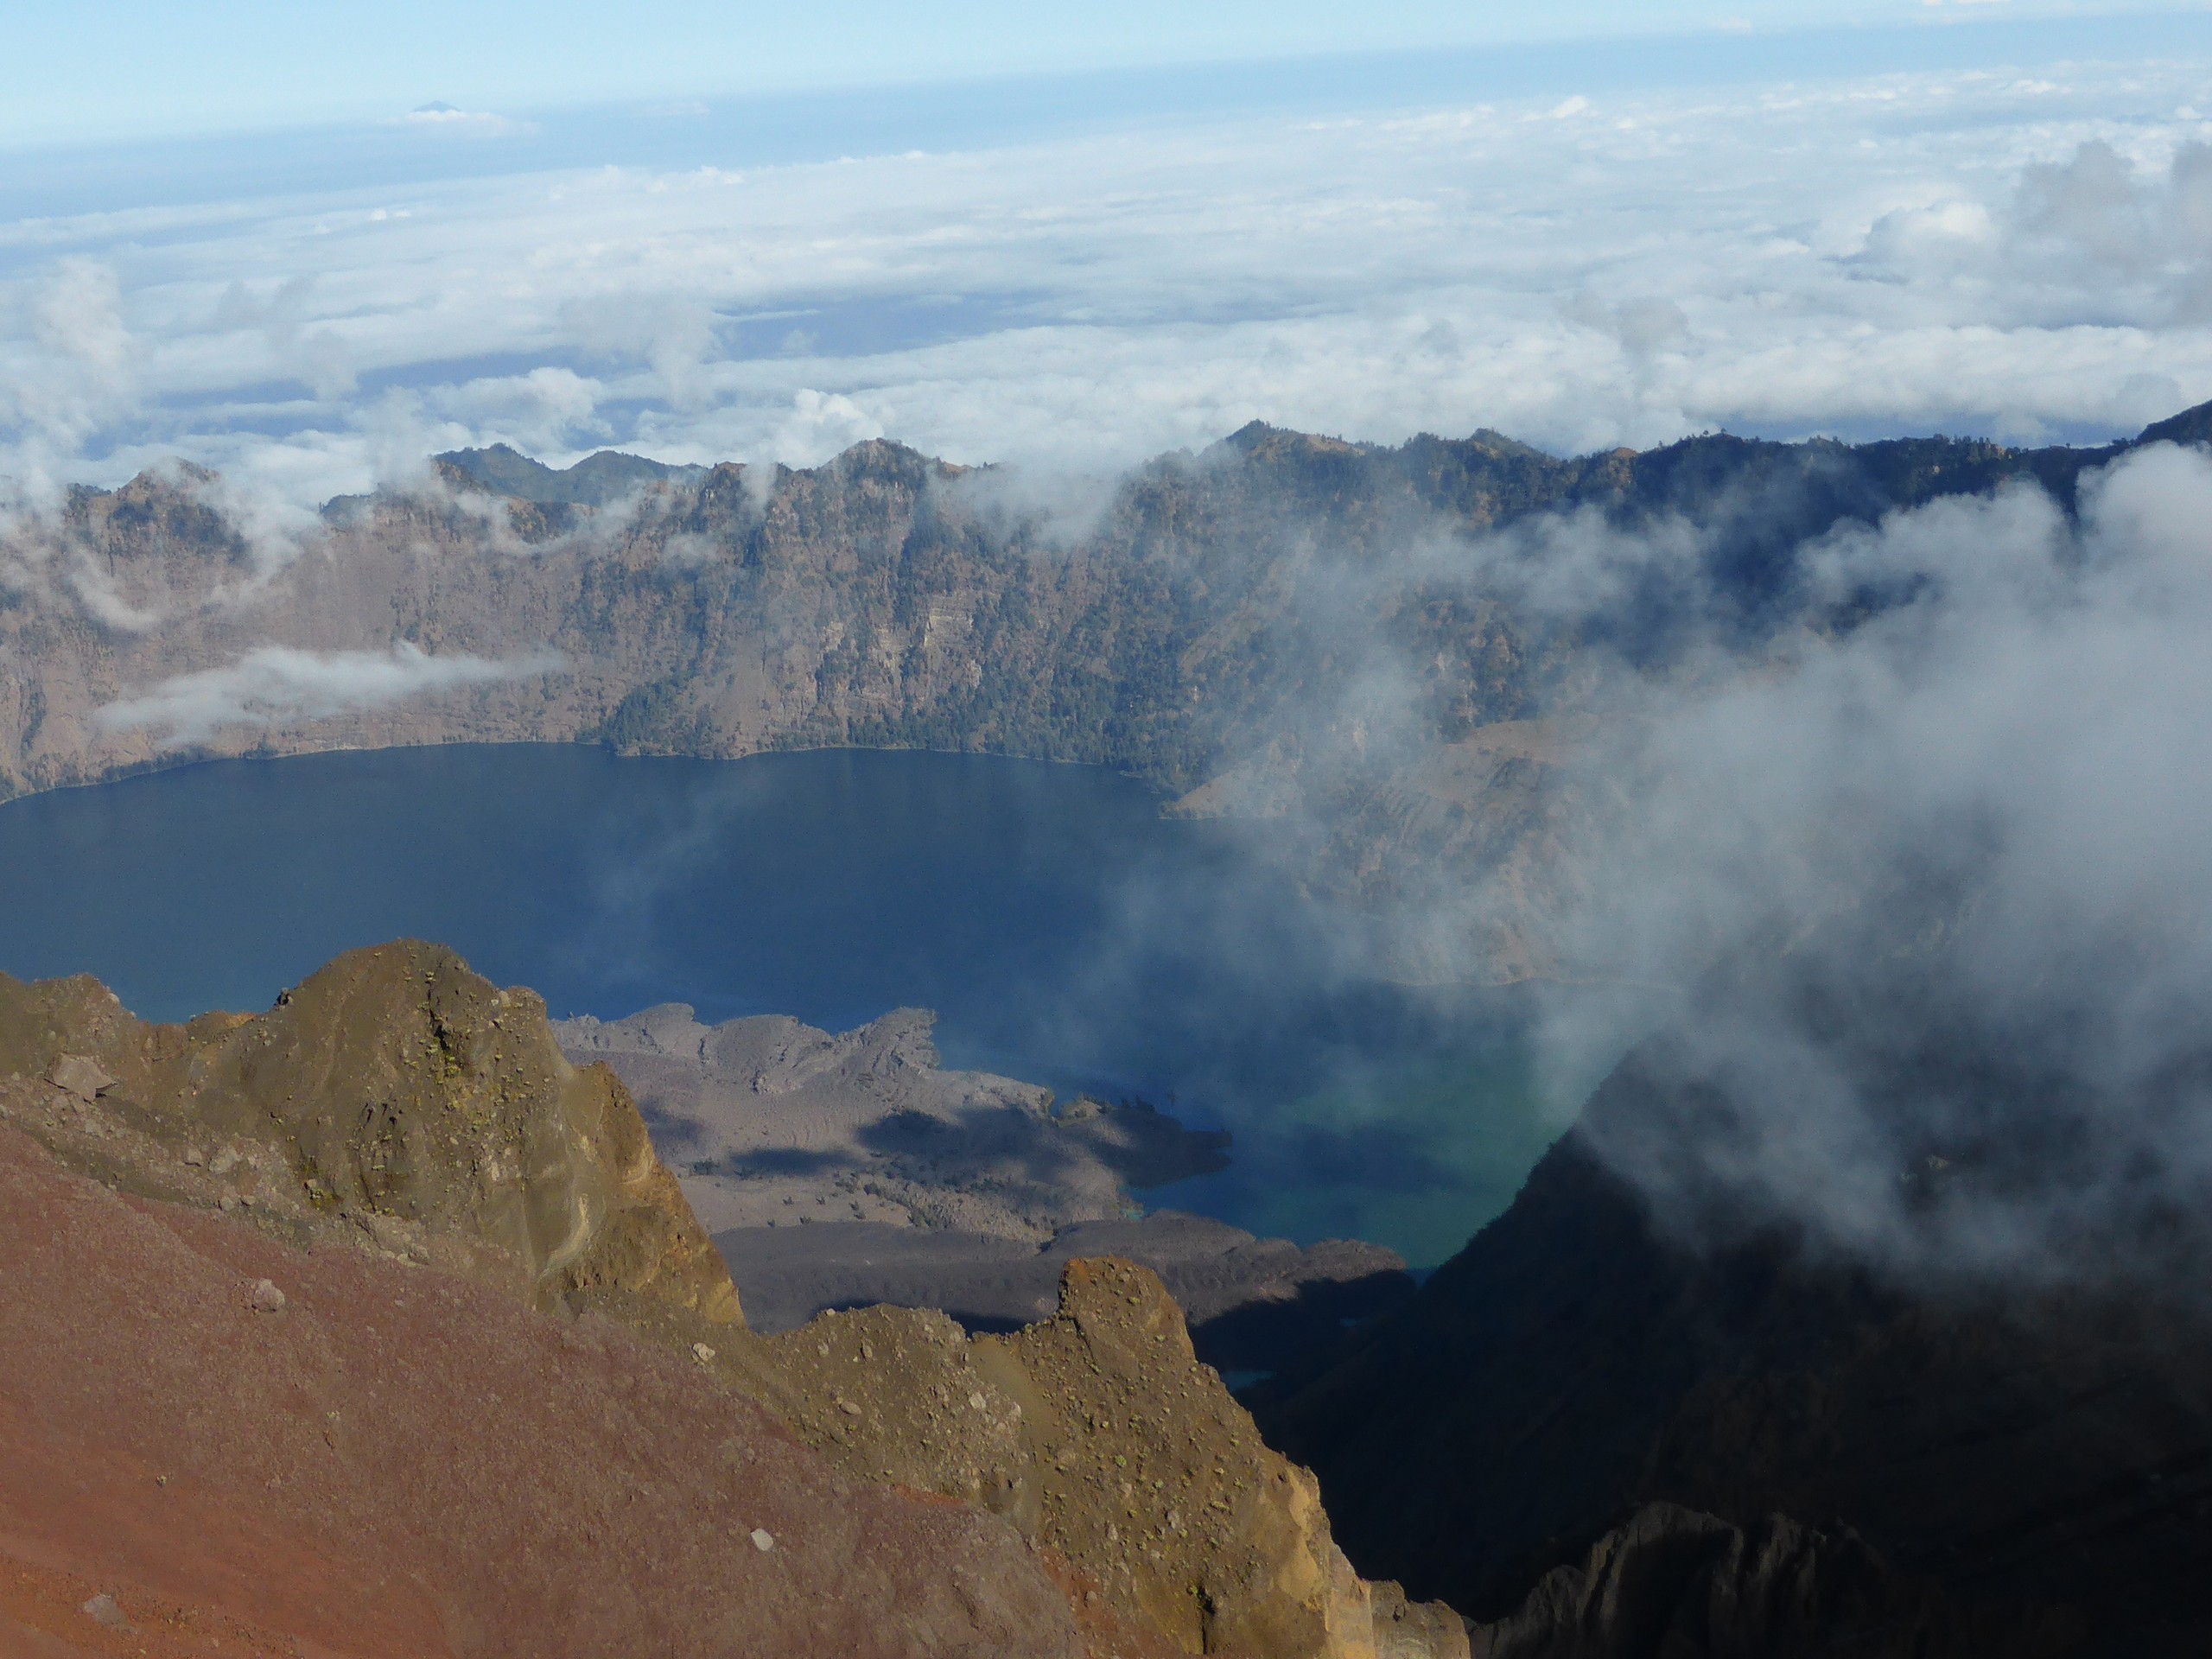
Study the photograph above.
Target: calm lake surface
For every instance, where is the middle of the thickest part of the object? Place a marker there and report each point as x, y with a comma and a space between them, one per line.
1065, 933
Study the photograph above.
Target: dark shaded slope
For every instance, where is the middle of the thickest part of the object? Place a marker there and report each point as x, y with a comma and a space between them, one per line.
2046, 1457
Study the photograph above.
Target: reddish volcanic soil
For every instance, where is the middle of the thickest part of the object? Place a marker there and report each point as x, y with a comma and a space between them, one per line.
399, 1463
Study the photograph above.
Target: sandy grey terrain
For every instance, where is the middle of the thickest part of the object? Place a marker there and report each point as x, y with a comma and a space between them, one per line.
769, 1122
845, 1171
1251, 1302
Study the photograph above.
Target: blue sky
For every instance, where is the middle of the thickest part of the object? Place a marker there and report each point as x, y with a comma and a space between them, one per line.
104, 69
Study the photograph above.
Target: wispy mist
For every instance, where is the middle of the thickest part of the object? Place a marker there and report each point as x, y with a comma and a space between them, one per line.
276, 684
1918, 889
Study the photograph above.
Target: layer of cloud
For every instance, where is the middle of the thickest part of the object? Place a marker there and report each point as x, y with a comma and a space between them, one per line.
278, 685
2019, 255
1926, 901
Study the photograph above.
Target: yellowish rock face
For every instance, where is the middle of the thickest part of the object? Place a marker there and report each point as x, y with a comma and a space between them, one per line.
396, 1095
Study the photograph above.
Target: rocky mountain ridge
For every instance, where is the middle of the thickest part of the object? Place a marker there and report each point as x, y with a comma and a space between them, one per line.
1221, 629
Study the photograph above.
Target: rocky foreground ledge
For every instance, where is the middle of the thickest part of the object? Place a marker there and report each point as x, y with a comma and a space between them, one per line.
370, 1324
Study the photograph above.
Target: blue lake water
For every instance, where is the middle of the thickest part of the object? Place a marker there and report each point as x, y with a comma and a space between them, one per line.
1064, 930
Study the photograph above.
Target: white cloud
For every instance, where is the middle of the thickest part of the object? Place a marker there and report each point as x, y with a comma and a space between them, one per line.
2006, 774
444, 118
544, 410
2001, 254
278, 684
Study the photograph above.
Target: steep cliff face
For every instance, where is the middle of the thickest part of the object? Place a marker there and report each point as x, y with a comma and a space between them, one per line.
1098, 1434
1221, 627
397, 1106
2042, 1456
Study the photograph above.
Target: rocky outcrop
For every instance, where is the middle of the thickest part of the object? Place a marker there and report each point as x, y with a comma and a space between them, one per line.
1101, 1435
397, 1106
393, 1098
1142, 1458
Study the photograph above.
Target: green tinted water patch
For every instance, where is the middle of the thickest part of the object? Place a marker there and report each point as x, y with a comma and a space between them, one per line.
1416, 1154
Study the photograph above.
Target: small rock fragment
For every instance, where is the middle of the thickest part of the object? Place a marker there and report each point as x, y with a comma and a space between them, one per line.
266, 1298
849, 1409
700, 1352
224, 1161
762, 1541
79, 1075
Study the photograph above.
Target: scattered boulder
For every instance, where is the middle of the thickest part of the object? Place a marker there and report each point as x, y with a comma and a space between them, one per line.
78, 1074
265, 1298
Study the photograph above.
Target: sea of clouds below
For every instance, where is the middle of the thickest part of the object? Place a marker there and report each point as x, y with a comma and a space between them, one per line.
2021, 254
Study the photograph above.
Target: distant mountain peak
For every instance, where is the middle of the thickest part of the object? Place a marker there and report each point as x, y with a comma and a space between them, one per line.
604, 476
